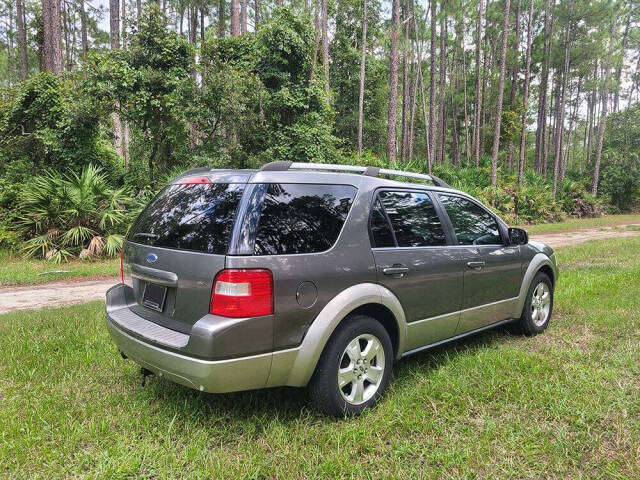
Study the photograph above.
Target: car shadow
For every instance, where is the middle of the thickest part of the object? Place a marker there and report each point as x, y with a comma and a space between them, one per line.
287, 404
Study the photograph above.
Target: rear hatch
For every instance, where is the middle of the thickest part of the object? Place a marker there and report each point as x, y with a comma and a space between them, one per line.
177, 246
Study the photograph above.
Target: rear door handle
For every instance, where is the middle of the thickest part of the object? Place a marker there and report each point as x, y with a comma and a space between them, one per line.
475, 265
395, 270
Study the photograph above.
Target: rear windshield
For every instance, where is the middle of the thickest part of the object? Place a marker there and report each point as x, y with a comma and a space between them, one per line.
195, 217
302, 218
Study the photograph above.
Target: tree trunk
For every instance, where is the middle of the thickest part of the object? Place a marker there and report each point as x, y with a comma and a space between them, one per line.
114, 23
65, 30
123, 25
514, 79
552, 116
222, 22
542, 96
114, 35
405, 85
22, 39
138, 8
83, 30
442, 121
52, 36
560, 122
235, 18
256, 15
592, 107
243, 16
476, 112
432, 87
603, 119
363, 59
393, 81
565, 161
420, 80
625, 36
325, 43
318, 37
464, 83
525, 96
601, 128
503, 58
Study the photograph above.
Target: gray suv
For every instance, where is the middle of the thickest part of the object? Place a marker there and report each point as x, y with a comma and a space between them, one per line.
316, 275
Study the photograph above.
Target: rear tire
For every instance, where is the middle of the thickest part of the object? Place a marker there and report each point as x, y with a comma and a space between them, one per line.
354, 368
538, 306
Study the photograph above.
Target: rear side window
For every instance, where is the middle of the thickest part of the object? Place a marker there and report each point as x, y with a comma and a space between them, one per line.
472, 223
414, 219
302, 218
380, 229
190, 217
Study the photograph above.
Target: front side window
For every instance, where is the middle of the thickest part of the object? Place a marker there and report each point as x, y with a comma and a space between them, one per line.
472, 223
414, 219
302, 218
189, 217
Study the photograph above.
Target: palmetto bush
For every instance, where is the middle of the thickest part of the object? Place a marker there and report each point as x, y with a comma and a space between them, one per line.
73, 215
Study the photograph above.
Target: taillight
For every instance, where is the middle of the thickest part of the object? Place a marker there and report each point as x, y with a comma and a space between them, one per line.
122, 267
242, 293
195, 180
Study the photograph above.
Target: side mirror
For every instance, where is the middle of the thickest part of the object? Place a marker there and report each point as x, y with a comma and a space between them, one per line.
518, 236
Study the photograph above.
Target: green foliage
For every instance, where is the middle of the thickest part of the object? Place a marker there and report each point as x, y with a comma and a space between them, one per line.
620, 178
66, 215
50, 122
148, 84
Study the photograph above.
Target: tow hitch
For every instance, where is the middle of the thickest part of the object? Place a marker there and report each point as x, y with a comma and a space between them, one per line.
145, 373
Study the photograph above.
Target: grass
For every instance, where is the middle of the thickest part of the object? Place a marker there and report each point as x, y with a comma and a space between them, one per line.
576, 223
564, 404
16, 270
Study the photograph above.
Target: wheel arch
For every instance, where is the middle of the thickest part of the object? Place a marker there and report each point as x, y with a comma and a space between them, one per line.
366, 298
539, 263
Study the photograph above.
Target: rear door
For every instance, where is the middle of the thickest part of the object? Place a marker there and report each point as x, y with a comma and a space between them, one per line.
175, 249
492, 269
416, 261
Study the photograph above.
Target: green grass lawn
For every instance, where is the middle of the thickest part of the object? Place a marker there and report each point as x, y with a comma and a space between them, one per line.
564, 404
16, 270
576, 223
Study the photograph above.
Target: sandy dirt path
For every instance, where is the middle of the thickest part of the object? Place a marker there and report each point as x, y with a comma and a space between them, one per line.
53, 294
575, 237
68, 292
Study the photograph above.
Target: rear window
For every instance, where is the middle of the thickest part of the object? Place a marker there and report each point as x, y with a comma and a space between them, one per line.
195, 217
302, 218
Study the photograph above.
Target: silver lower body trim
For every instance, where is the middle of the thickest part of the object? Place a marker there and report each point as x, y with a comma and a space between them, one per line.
456, 337
215, 376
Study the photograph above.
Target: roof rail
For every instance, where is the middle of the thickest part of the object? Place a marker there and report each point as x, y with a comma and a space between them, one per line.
369, 171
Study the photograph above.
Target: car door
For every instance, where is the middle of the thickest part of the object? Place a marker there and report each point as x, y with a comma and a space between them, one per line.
416, 260
492, 268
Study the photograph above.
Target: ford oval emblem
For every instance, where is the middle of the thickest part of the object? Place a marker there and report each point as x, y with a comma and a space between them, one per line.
151, 258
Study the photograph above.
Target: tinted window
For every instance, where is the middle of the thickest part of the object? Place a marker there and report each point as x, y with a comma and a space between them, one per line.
190, 217
413, 218
299, 218
380, 231
472, 223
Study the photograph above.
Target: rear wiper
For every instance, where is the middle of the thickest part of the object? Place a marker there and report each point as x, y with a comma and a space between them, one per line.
146, 235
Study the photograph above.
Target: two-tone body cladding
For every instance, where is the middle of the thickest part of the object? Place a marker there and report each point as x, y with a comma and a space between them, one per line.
319, 275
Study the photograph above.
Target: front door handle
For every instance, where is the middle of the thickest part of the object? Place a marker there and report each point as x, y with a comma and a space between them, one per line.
395, 270
475, 265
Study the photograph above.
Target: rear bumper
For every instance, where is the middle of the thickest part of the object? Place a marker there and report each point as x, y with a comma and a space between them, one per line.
216, 376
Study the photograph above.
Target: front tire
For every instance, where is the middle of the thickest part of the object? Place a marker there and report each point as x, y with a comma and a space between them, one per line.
538, 307
354, 368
